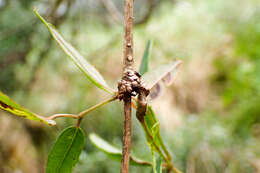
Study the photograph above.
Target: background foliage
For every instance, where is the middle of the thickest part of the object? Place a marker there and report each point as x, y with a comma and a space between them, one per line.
209, 117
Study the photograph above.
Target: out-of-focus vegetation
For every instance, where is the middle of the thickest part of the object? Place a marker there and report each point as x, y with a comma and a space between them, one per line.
210, 116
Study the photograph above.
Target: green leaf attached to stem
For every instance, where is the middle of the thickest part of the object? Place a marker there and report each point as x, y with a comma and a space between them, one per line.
90, 71
150, 124
9, 105
157, 164
66, 151
113, 152
145, 60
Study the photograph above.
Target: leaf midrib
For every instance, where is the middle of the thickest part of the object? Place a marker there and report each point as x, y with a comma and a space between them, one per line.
81, 66
69, 148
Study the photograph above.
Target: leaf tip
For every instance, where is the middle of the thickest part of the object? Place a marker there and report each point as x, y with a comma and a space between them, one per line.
39, 16
34, 8
51, 122
35, 11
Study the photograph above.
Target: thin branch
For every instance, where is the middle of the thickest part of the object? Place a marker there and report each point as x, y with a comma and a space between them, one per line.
83, 113
55, 116
164, 147
170, 165
128, 65
126, 135
140, 162
79, 121
128, 44
149, 134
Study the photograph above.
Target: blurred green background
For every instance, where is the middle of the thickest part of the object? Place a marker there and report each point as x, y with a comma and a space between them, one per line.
210, 116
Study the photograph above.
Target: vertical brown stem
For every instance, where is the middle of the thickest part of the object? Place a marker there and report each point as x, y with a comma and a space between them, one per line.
128, 64
128, 45
127, 135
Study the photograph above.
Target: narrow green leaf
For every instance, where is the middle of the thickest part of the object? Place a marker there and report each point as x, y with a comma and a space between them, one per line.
9, 105
65, 153
90, 71
157, 162
104, 146
158, 165
153, 125
113, 152
152, 77
154, 128
145, 60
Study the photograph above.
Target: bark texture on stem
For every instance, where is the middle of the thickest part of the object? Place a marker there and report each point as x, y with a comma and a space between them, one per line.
127, 135
127, 89
128, 44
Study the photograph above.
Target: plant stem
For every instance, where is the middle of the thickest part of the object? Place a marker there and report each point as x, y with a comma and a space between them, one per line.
126, 135
139, 162
53, 117
166, 159
164, 147
128, 42
78, 122
128, 64
152, 139
83, 113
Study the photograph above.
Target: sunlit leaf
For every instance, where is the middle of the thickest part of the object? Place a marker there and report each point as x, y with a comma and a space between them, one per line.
145, 60
152, 77
65, 153
90, 71
9, 105
114, 152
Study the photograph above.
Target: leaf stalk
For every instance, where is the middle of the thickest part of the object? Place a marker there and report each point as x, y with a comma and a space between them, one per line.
83, 113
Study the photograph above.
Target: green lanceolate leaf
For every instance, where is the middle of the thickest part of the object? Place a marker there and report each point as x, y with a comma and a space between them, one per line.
104, 146
153, 125
9, 105
145, 60
158, 165
154, 128
113, 152
90, 71
66, 151
152, 77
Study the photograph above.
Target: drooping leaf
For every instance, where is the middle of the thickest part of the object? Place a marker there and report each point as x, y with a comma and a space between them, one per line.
145, 60
11, 106
152, 77
114, 152
90, 71
65, 153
